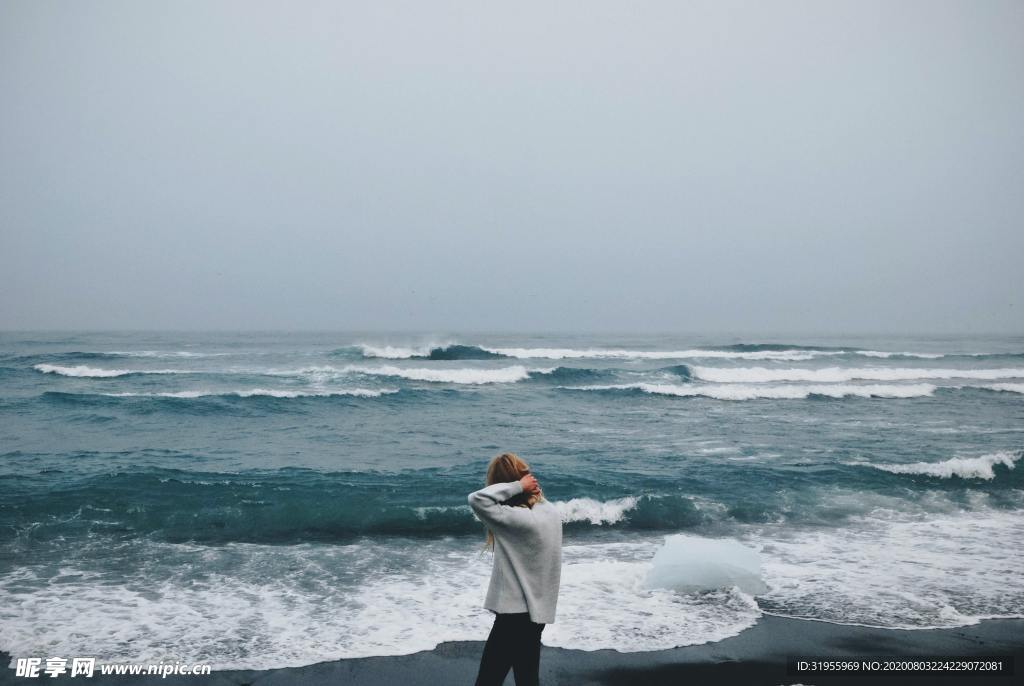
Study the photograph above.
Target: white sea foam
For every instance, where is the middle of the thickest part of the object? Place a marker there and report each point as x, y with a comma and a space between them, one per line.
844, 374
980, 467
169, 394
451, 376
470, 375
167, 353
892, 569
323, 374
269, 392
300, 605
307, 603
399, 352
94, 372
595, 511
767, 392
789, 355
601, 353
883, 354
604, 603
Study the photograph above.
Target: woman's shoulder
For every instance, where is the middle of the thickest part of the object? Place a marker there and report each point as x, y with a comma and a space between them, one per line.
549, 508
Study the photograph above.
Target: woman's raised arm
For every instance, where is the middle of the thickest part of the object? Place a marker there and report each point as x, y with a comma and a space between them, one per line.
488, 503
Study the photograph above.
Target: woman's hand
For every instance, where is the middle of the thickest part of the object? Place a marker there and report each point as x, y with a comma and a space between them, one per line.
530, 484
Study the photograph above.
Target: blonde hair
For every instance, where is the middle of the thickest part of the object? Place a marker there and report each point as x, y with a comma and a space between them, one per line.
502, 469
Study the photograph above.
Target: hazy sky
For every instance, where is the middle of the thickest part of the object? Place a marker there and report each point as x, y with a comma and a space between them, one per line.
691, 166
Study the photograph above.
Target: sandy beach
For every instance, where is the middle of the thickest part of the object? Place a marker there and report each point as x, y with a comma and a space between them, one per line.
757, 656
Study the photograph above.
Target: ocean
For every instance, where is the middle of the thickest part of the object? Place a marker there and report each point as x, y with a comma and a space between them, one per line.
263, 500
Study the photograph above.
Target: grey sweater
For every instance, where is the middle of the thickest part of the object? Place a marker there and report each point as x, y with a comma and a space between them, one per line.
527, 552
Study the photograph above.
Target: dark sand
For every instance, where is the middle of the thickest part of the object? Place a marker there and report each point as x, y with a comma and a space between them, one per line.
756, 656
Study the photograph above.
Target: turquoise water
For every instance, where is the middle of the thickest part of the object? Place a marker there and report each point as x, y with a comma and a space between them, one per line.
262, 500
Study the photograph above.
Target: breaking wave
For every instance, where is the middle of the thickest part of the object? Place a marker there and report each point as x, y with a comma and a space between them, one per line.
738, 351
844, 374
300, 505
457, 376
1006, 387
793, 355
981, 467
595, 511
449, 351
268, 392
96, 373
766, 392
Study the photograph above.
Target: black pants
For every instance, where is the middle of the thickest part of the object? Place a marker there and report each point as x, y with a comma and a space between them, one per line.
514, 642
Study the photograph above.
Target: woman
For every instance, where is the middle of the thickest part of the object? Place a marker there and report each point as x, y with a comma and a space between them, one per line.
525, 532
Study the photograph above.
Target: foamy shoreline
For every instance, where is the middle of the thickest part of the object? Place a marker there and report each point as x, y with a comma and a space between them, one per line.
757, 656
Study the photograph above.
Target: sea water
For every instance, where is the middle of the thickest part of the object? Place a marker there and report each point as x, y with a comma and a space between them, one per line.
262, 500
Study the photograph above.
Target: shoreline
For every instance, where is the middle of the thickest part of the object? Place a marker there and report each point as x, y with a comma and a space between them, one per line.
755, 656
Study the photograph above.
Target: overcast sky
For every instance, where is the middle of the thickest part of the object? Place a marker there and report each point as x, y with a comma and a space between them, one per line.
689, 166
